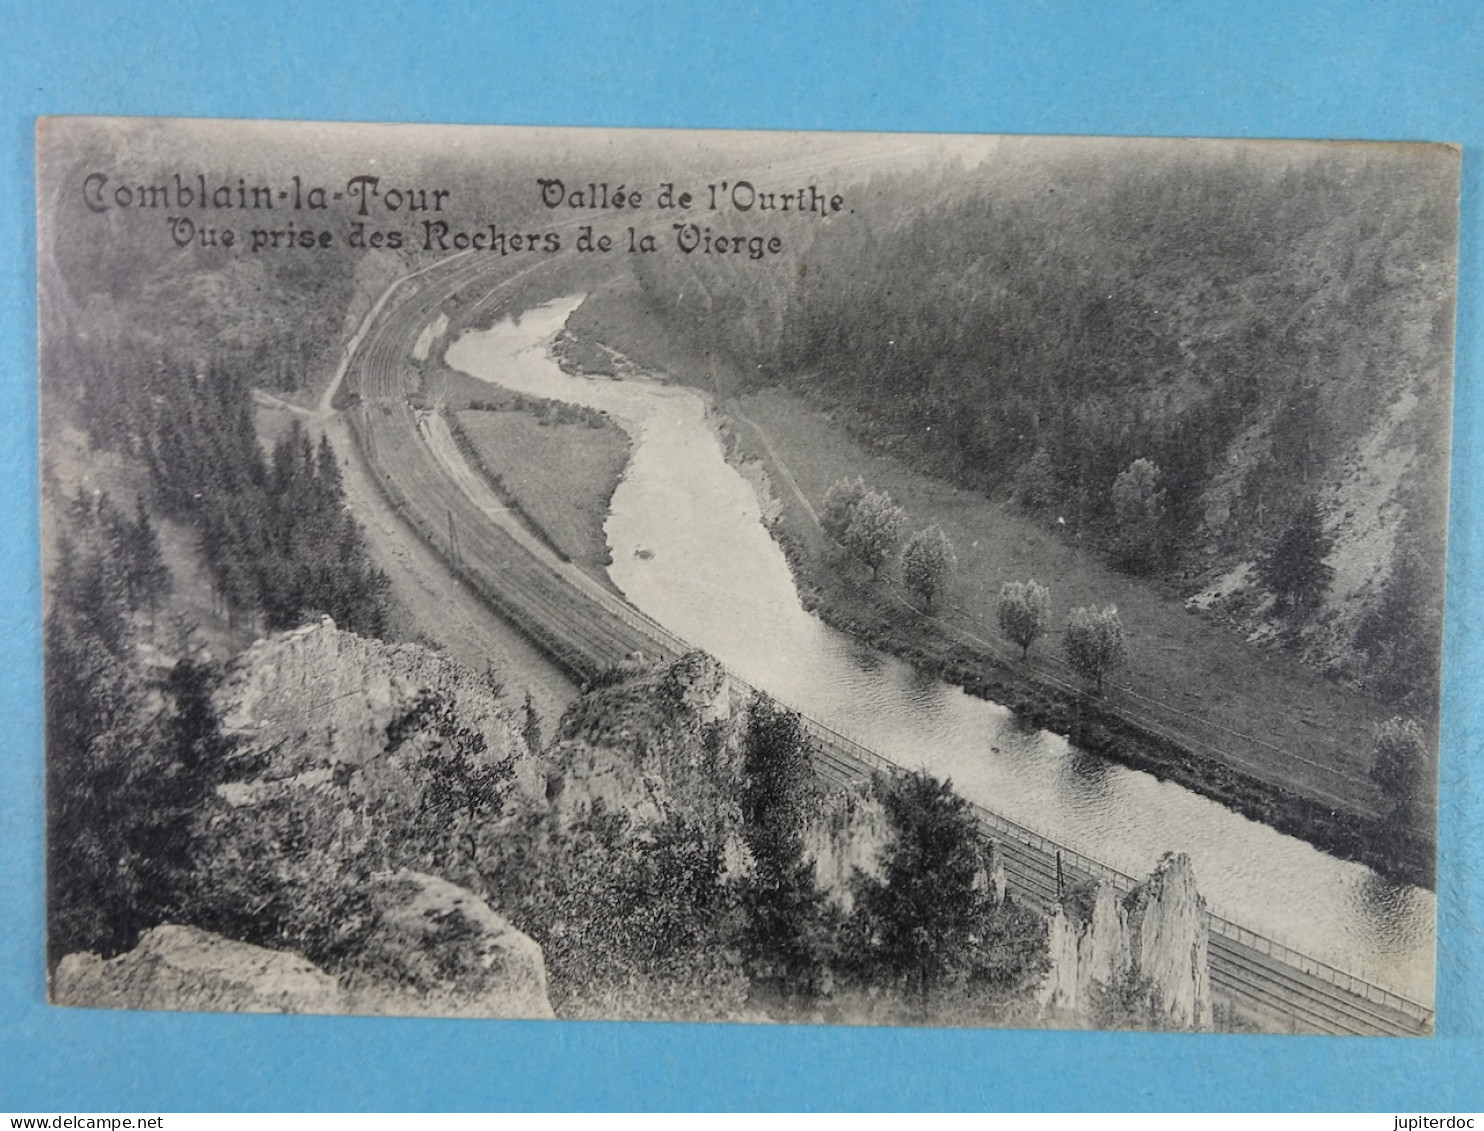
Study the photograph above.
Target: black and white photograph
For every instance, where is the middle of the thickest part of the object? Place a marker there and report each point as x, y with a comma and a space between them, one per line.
753, 577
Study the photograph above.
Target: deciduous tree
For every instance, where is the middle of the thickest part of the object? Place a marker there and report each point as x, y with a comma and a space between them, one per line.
1035, 481
1024, 612
839, 506
1139, 506
928, 563
876, 528
1095, 643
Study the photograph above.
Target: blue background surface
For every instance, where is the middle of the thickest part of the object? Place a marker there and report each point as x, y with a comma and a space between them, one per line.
1410, 70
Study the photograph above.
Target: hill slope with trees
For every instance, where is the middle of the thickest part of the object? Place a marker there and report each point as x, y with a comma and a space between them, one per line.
1175, 354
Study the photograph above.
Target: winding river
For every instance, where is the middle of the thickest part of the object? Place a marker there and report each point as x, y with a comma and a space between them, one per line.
690, 549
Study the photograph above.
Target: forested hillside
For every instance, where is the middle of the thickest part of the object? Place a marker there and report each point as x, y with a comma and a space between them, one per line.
152, 347
1268, 328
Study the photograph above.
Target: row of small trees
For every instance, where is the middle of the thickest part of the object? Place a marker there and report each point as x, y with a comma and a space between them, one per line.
1094, 639
873, 529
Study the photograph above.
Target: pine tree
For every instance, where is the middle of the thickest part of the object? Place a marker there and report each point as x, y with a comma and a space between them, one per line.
786, 919
1295, 569
921, 923
148, 575
328, 469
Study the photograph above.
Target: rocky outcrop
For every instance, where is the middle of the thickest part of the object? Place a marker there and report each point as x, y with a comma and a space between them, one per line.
658, 740
998, 881
1138, 959
176, 967
438, 950
1169, 938
849, 836
1089, 950
318, 698
365, 757
433, 949
698, 683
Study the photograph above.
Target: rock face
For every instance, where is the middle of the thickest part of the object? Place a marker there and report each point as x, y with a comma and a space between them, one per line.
849, 836
998, 881
1150, 947
369, 758
177, 967
319, 698
662, 741
1168, 937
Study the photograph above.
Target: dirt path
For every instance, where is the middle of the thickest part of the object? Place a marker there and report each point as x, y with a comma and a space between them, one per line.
788, 476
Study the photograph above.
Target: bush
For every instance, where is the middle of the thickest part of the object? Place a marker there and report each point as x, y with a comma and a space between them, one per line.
1399, 755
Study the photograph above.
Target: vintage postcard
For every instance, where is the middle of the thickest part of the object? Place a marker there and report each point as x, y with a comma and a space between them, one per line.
820, 578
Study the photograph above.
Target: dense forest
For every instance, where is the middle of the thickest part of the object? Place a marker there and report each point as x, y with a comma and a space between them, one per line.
131, 741
1243, 319
274, 534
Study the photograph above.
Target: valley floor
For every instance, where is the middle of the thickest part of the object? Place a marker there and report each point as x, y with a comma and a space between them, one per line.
1252, 728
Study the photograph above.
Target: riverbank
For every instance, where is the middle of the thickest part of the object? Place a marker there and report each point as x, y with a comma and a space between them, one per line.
1196, 705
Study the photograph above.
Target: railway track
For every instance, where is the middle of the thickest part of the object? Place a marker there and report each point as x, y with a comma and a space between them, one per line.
585, 629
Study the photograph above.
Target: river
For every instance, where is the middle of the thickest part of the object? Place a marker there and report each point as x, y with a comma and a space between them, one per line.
690, 549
